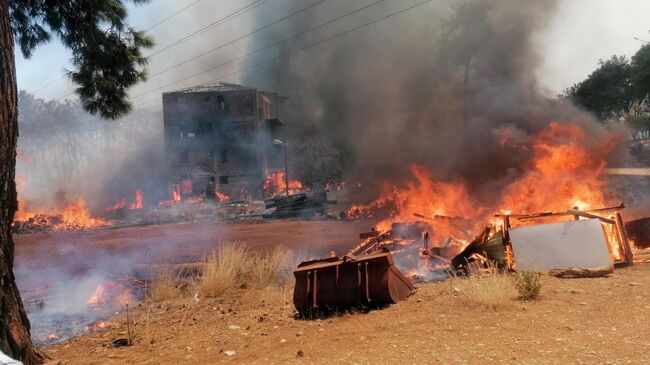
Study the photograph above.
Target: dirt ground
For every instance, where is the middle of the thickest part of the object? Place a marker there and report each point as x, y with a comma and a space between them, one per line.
66, 255
575, 321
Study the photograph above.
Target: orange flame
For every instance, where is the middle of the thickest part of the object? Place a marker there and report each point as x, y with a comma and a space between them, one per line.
109, 293
221, 196
139, 201
117, 206
69, 216
275, 183
564, 171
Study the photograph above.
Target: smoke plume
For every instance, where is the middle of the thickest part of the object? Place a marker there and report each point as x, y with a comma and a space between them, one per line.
437, 86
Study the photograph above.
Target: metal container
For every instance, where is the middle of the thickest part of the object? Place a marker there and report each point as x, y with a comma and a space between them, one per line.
343, 283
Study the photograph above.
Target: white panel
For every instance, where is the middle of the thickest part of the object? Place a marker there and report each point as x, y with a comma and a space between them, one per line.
574, 244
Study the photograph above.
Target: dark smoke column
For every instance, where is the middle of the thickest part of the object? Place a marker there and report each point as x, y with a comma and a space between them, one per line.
434, 86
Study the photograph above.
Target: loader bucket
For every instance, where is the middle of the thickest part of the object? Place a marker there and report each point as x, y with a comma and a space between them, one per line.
342, 283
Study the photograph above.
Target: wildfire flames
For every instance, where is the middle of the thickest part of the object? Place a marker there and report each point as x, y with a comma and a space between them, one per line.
221, 196
275, 183
139, 201
109, 293
563, 171
74, 215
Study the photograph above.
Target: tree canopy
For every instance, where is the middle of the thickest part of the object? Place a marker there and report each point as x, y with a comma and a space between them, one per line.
107, 60
107, 52
617, 85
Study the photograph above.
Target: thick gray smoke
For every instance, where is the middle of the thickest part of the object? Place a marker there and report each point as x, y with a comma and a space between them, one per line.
432, 86
63, 154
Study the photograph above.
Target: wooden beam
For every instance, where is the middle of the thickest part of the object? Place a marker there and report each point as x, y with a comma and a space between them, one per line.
589, 215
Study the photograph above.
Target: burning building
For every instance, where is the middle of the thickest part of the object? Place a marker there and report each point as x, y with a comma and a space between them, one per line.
219, 140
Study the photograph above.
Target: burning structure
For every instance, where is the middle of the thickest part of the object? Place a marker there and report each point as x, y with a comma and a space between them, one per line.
219, 140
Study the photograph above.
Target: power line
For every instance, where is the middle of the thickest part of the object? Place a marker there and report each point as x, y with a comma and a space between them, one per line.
288, 55
311, 45
173, 15
265, 47
49, 84
221, 20
210, 26
239, 38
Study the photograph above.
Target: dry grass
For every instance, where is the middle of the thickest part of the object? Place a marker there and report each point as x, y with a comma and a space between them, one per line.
233, 266
164, 286
225, 269
493, 288
274, 267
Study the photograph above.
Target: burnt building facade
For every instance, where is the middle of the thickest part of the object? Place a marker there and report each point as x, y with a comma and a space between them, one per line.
219, 140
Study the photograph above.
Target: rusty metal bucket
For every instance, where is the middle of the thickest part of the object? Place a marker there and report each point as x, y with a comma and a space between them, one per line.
342, 283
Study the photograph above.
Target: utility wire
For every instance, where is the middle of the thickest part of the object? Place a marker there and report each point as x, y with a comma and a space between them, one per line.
238, 38
173, 15
210, 26
219, 21
49, 84
288, 55
284, 18
264, 48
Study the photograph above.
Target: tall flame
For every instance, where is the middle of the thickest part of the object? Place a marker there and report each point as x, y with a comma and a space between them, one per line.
564, 171
275, 183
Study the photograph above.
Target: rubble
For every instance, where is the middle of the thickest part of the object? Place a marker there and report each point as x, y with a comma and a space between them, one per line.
298, 205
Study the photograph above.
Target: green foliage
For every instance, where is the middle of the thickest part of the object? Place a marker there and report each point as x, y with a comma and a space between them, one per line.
641, 72
528, 284
607, 92
107, 52
617, 88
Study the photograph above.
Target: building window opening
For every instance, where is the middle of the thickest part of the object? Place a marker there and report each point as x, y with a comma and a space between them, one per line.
223, 180
185, 156
221, 102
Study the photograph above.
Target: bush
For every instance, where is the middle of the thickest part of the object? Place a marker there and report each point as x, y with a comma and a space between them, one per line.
528, 284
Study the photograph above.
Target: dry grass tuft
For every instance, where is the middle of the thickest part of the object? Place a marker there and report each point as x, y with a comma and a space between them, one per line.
273, 267
164, 286
226, 268
493, 288
234, 266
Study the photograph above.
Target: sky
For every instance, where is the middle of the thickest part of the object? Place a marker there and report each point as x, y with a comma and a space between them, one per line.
580, 34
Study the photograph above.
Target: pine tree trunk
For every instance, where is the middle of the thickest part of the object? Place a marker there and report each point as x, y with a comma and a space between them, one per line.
14, 326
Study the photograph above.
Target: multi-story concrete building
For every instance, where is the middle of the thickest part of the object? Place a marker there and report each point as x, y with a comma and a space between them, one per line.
220, 138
